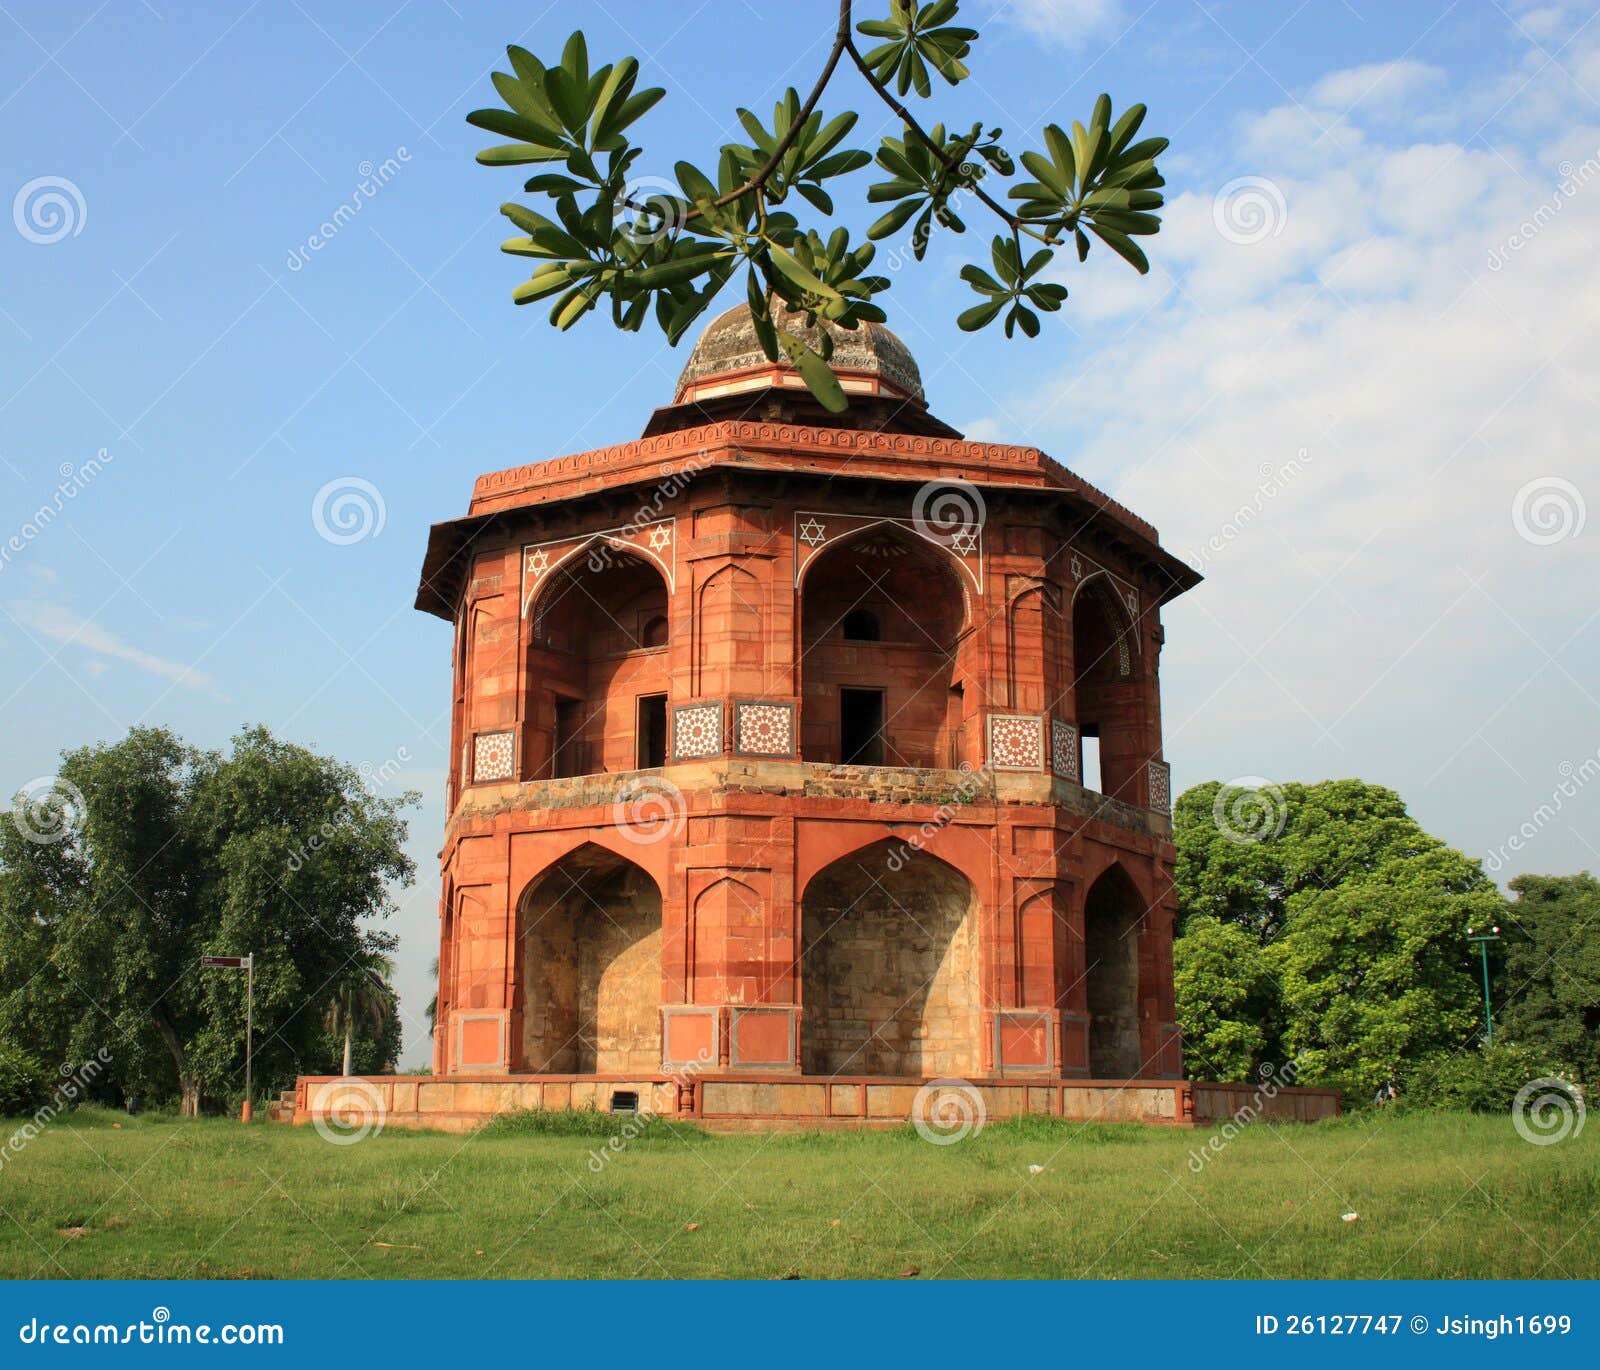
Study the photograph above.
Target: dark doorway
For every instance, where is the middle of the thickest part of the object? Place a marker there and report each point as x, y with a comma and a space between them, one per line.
569, 723
861, 727
652, 731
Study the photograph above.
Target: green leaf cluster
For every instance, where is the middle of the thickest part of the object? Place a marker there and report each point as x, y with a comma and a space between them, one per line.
917, 38
653, 249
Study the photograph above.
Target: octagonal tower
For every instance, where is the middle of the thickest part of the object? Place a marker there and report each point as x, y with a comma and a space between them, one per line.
797, 756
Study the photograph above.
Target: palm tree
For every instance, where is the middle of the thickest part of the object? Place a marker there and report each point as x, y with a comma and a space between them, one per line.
433, 1004
363, 998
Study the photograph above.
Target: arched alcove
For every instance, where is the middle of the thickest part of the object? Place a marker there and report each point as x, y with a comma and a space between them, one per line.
889, 697
1108, 703
889, 967
597, 666
589, 964
1112, 913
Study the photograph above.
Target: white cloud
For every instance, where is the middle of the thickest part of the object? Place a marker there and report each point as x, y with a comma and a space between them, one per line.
1065, 23
1376, 85
1375, 612
62, 625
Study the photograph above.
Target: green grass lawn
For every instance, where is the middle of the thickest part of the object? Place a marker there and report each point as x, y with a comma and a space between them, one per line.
1437, 1196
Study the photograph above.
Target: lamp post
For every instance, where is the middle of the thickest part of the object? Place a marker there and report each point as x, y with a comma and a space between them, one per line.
1481, 941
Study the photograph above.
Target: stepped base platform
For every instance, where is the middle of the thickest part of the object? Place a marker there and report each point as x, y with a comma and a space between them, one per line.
752, 1101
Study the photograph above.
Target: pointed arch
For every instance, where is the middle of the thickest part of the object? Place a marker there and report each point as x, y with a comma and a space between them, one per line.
894, 700
730, 634
723, 917
1113, 918
889, 973
1033, 628
589, 972
597, 647
1110, 702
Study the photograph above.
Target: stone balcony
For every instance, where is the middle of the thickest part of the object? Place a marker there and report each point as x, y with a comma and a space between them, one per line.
927, 788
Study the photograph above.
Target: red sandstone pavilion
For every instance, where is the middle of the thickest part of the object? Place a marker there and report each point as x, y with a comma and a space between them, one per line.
800, 760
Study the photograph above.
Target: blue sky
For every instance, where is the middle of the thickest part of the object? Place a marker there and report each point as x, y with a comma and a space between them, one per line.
1357, 386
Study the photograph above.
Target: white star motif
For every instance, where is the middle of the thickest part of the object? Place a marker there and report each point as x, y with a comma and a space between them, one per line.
1077, 567
812, 533
964, 540
538, 563
1133, 603
660, 536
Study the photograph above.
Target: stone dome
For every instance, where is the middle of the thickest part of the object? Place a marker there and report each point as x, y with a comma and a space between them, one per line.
728, 358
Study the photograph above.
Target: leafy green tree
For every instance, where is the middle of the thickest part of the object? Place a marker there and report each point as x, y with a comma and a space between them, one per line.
1227, 1000
1375, 972
174, 853
664, 252
1358, 920
1551, 981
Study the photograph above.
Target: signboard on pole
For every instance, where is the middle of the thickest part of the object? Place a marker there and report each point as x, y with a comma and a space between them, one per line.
248, 965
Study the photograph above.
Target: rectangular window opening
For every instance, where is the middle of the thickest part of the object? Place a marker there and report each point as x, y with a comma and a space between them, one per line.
861, 727
1091, 762
569, 723
652, 736
624, 1101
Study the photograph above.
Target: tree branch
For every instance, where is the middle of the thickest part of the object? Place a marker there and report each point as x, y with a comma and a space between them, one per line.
951, 164
841, 41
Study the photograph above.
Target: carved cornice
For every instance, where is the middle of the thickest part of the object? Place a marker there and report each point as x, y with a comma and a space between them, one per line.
833, 450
